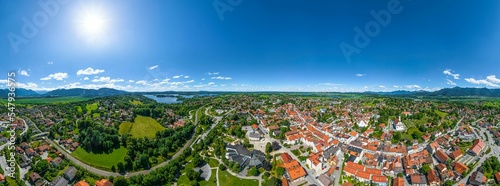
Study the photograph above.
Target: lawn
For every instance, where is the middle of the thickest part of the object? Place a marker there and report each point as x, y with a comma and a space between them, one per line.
441, 114
227, 179
136, 102
100, 160
213, 162
212, 181
96, 115
43, 100
125, 128
142, 127
183, 181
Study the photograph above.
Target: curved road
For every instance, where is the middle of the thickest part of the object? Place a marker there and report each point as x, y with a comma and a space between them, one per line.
107, 173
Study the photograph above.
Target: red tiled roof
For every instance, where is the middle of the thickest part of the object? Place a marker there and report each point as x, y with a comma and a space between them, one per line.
398, 182
379, 179
363, 175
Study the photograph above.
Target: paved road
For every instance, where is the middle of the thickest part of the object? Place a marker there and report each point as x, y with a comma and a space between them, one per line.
107, 173
495, 151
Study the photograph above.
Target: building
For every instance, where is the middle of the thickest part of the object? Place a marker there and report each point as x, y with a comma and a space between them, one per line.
59, 181
497, 177
418, 180
315, 162
476, 148
477, 178
379, 180
82, 183
324, 180
70, 173
397, 124
460, 168
441, 156
398, 182
244, 157
103, 182
294, 171
433, 179
254, 136
34, 177
456, 154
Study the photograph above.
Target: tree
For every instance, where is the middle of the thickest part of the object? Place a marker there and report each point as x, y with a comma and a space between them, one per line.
113, 168
276, 146
222, 167
197, 160
254, 171
269, 148
41, 166
400, 175
425, 169
273, 181
280, 171
192, 175
121, 167
120, 181
448, 183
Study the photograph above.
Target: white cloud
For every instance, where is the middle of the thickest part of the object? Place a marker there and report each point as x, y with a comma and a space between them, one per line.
395, 86
450, 82
131, 81
153, 67
86, 78
412, 86
175, 77
186, 76
487, 82
107, 80
381, 86
449, 73
203, 79
89, 71
222, 78
27, 85
330, 84
211, 83
57, 76
360, 75
24, 73
141, 82
50, 62
213, 73
3, 81
190, 81
493, 79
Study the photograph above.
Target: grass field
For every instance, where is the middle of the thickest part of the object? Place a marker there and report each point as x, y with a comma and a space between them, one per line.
441, 114
212, 181
226, 179
213, 162
100, 160
125, 127
136, 102
142, 127
41, 100
79, 109
96, 115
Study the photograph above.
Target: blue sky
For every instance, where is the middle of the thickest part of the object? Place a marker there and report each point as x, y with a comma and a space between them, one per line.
251, 45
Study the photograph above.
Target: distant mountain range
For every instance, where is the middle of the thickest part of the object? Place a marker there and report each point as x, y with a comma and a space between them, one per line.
456, 91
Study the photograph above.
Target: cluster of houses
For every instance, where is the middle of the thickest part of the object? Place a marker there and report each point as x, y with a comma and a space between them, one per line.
69, 144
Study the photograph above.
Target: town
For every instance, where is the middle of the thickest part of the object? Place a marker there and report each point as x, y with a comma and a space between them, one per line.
255, 139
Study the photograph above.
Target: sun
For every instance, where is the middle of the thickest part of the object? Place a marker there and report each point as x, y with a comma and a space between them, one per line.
93, 25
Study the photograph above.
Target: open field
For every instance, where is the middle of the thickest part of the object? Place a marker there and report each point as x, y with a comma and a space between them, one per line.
441, 114
142, 127
100, 160
136, 102
125, 127
42, 100
226, 179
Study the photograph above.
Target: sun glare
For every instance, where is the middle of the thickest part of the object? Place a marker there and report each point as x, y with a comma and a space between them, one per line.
92, 26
